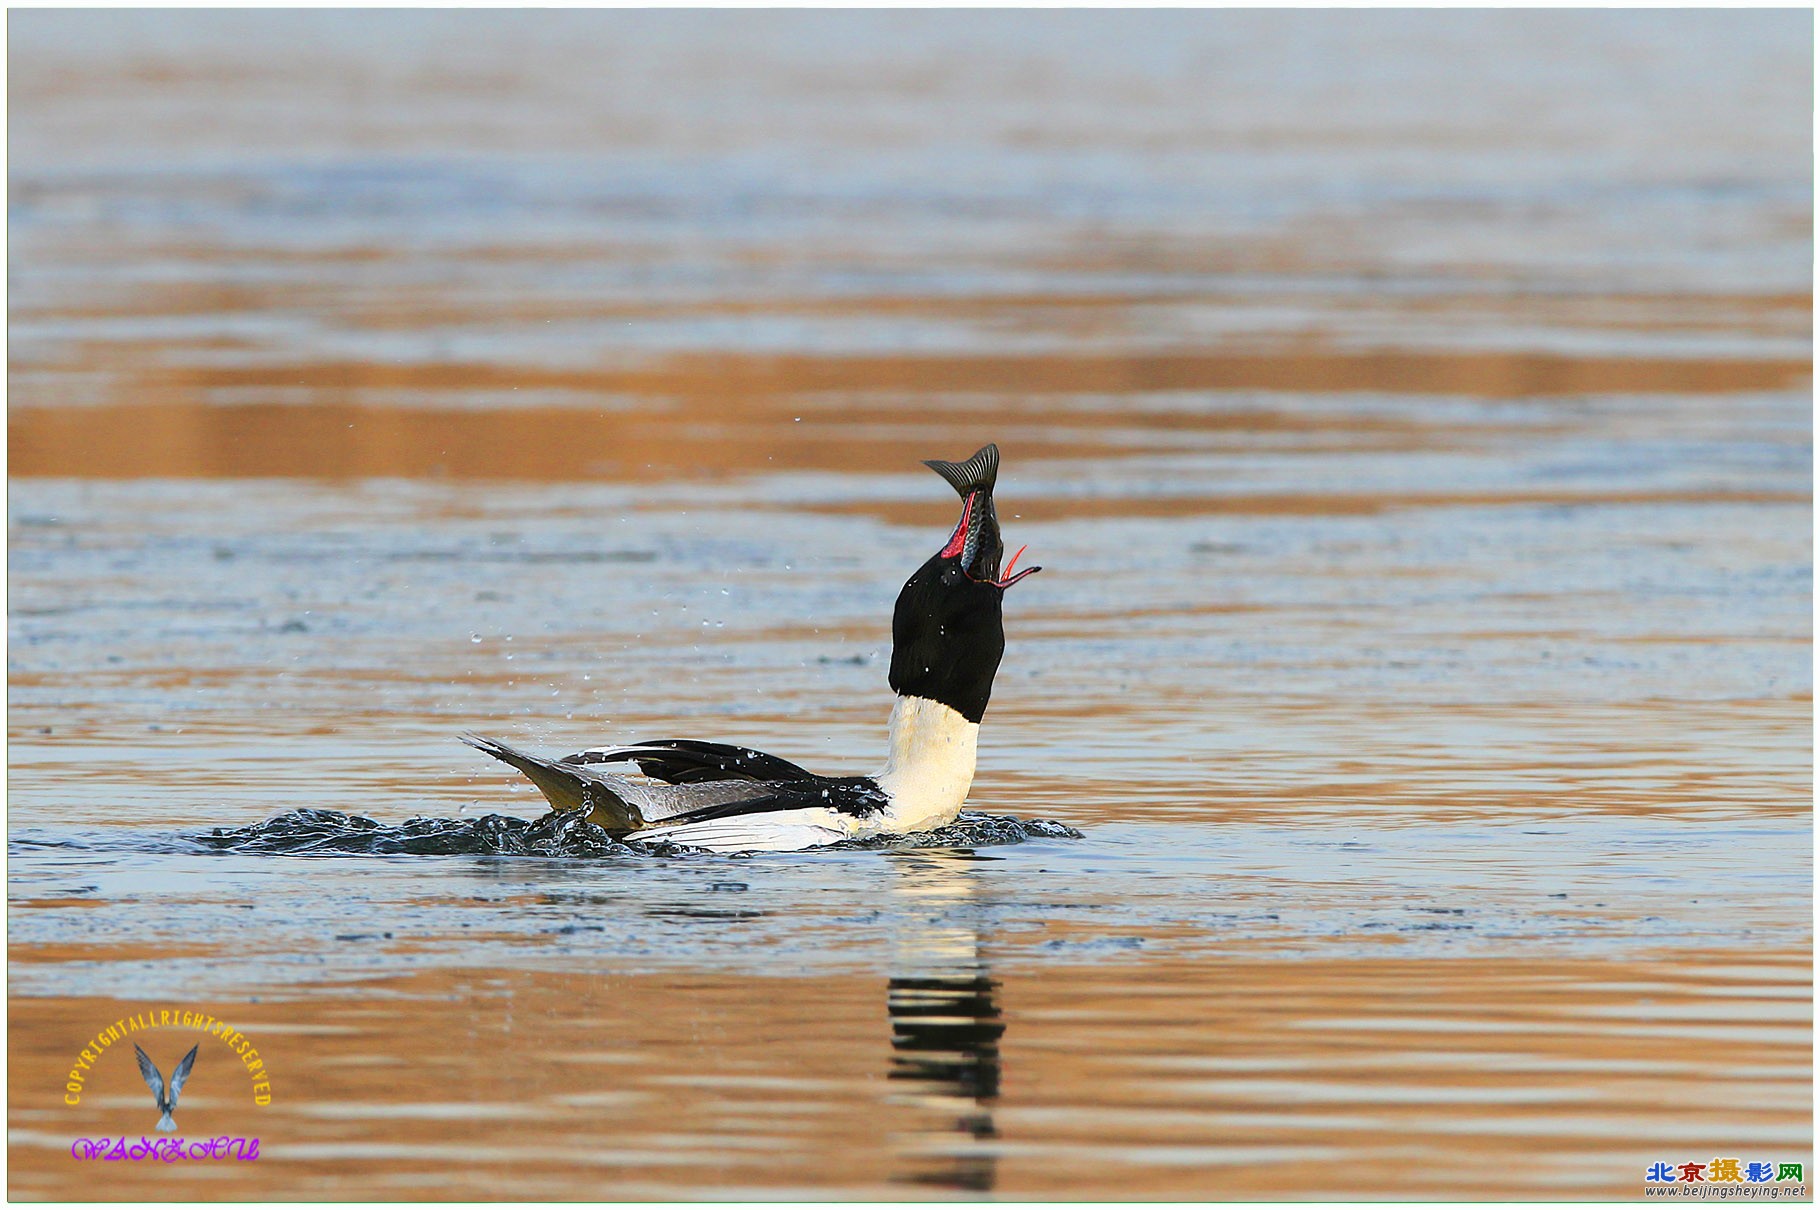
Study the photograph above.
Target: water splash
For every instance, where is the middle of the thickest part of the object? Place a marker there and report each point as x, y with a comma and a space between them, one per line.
323, 832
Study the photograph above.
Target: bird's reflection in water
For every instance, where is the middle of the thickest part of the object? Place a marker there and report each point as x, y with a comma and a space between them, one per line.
945, 1024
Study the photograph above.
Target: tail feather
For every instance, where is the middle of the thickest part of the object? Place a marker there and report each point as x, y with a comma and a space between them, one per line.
568, 787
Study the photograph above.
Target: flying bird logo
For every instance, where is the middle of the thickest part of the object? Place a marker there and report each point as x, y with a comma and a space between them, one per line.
154, 1080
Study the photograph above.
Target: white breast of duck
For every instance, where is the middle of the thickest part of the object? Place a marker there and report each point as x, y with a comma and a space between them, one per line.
930, 766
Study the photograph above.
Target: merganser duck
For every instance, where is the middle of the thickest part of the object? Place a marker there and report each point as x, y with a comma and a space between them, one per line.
947, 637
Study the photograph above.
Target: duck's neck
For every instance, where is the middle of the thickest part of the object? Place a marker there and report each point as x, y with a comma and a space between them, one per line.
930, 768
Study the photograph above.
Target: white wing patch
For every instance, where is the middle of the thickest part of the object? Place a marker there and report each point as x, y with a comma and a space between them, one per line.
767, 832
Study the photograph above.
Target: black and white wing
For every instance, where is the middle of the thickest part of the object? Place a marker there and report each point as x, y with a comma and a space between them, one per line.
181, 1073
700, 775
154, 1079
776, 817
687, 761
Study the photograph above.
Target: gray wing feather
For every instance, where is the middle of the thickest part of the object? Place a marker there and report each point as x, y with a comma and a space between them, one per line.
664, 802
154, 1079
182, 1073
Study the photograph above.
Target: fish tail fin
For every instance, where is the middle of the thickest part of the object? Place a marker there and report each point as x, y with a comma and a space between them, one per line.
568, 787
978, 473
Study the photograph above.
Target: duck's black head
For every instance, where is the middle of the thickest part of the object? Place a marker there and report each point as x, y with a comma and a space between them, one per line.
948, 633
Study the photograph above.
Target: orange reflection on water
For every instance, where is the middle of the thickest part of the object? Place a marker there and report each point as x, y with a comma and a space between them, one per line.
1249, 1076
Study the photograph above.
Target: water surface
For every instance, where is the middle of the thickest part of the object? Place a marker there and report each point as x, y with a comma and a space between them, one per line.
1410, 411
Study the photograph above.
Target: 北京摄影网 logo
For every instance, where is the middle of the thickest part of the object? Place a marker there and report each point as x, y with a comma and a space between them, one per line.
1724, 1170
